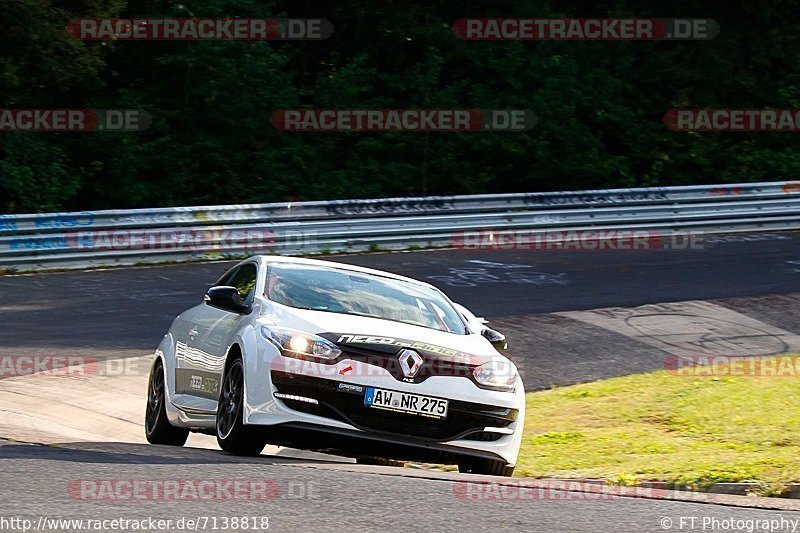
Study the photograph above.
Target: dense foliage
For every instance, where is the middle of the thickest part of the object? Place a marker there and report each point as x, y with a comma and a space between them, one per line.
600, 104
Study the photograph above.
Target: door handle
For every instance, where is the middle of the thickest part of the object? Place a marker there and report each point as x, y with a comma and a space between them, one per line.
192, 333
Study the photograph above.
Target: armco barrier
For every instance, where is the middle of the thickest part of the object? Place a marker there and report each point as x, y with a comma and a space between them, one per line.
102, 238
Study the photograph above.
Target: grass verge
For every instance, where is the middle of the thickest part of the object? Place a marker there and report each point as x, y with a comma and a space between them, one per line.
687, 431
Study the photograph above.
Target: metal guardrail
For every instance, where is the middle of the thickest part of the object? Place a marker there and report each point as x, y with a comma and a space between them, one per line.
101, 238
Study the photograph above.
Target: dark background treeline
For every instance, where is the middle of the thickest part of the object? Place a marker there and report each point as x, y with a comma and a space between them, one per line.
600, 104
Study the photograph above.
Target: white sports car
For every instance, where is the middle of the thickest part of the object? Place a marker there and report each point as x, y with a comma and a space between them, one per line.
331, 357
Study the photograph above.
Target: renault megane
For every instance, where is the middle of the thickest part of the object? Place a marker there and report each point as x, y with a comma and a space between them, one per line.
332, 357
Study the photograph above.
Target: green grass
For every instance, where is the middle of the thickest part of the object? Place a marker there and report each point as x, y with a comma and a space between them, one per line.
687, 431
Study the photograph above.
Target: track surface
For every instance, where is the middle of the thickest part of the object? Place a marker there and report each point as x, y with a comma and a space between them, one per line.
129, 308
316, 497
124, 312
532, 296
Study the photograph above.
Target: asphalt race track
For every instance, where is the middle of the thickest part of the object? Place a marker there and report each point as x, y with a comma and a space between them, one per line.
316, 496
130, 308
124, 312
553, 305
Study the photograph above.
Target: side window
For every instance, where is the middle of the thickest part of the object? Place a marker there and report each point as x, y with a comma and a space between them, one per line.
244, 280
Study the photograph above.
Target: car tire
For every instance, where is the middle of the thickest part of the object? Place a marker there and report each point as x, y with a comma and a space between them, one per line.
232, 435
489, 467
157, 428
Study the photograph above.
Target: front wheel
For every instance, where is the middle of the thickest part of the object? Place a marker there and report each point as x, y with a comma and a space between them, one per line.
489, 467
232, 435
157, 428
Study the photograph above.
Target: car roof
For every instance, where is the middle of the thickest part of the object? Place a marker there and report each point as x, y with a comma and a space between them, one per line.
264, 259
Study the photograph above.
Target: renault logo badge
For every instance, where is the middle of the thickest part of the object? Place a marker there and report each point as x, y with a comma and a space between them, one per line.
410, 363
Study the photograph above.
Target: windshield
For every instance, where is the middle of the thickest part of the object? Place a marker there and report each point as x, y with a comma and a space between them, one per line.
342, 291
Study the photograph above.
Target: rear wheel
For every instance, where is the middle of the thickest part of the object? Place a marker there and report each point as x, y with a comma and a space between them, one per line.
232, 435
157, 428
489, 467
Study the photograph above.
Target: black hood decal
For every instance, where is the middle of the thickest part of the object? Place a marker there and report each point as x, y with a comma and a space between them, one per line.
393, 345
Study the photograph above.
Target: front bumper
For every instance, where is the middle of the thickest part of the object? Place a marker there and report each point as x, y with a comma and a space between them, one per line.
266, 374
465, 420
480, 423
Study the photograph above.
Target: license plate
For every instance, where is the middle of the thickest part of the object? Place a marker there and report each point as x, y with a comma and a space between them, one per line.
403, 402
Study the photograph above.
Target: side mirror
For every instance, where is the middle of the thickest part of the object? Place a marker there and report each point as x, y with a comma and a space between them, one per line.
475, 322
226, 298
497, 339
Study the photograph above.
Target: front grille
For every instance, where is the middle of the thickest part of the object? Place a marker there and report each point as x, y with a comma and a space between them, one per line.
432, 365
464, 419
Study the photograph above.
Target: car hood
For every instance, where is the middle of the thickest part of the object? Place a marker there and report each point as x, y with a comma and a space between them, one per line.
385, 336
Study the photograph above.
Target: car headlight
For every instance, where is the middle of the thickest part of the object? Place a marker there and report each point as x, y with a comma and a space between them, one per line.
501, 375
295, 343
